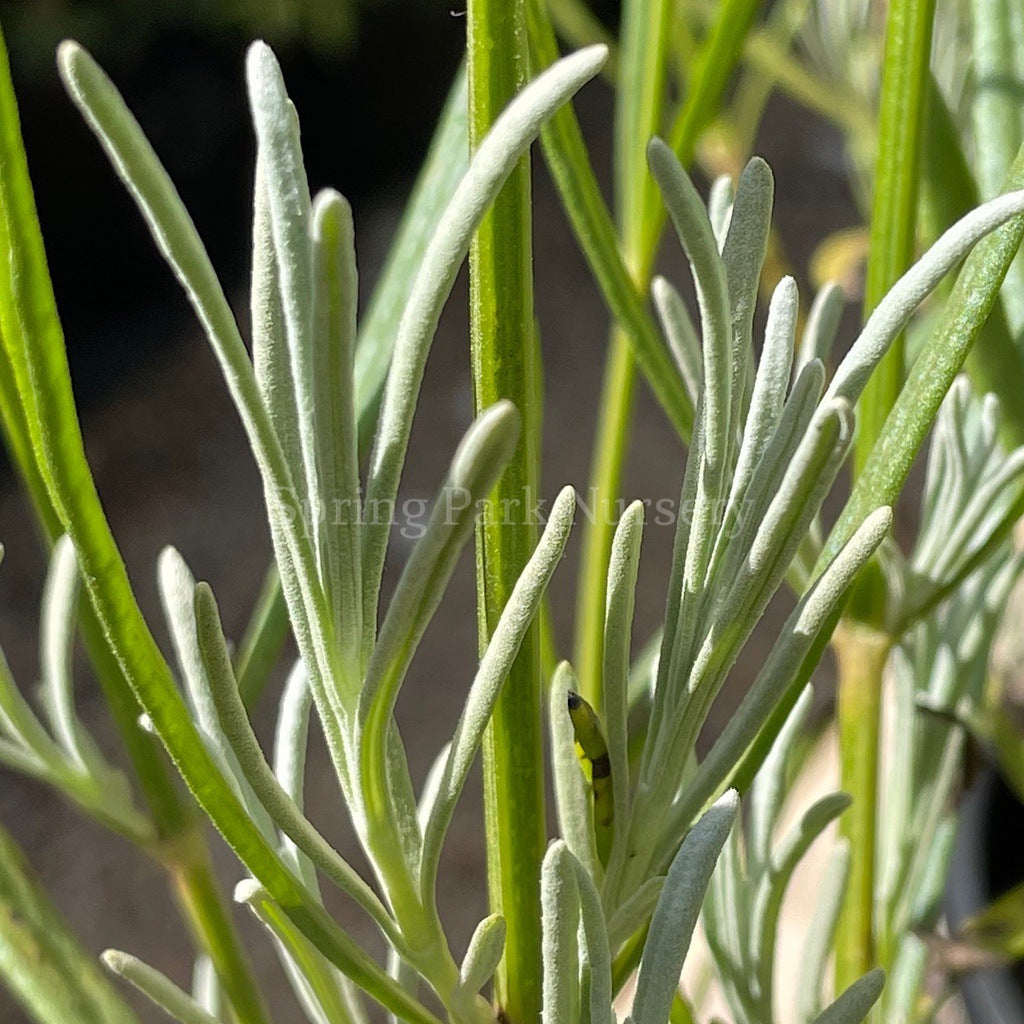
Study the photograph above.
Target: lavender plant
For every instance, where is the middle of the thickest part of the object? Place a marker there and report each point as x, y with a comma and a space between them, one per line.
650, 834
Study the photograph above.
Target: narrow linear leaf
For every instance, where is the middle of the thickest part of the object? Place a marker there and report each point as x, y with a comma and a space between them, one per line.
560, 915
721, 196
484, 952
157, 987
234, 721
818, 942
636, 912
856, 1002
130, 650
771, 890
743, 253
439, 175
677, 911
288, 202
749, 505
405, 975
264, 637
177, 588
291, 739
292, 734
681, 335
319, 986
975, 293
799, 496
769, 787
56, 648
822, 325
490, 677
595, 935
22, 727
334, 311
205, 986
271, 360
493, 161
690, 218
768, 398
621, 598
176, 237
892, 313
479, 461
729, 758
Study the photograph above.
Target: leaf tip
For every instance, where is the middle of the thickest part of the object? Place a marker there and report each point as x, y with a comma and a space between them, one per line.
69, 52
116, 961
759, 172
168, 564
594, 57
263, 75
207, 612
729, 801
488, 443
247, 891
331, 213
74, 62
565, 504
633, 516
659, 156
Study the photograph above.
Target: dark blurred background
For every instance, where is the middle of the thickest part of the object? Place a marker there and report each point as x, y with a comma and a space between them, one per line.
368, 79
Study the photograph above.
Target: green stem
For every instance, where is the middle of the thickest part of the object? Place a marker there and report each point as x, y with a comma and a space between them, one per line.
843, 108
565, 153
901, 120
767, 55
996, 117
861, 653
861, 650
639, 113
504, 356
713, 66
606, 468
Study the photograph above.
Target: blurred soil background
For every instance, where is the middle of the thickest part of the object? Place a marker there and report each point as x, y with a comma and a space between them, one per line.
166, 447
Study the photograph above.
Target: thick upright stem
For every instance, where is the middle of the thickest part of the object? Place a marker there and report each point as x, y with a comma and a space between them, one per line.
861, 652
862, 649
606, 467
505, 363
638, 116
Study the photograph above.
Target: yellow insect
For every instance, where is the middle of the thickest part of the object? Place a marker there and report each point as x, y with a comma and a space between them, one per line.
586, 727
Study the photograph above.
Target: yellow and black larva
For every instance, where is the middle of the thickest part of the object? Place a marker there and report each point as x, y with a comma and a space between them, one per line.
590, 738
